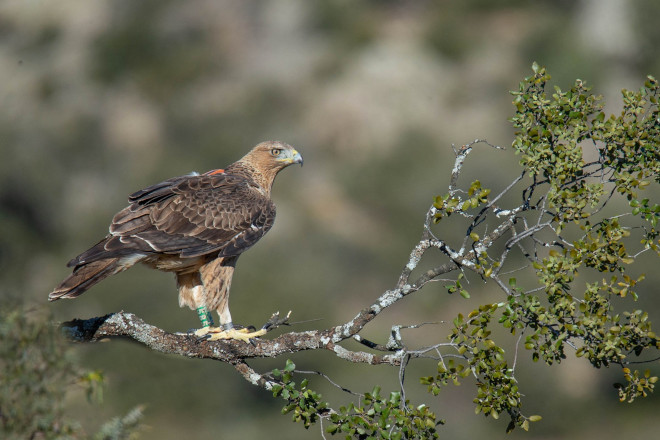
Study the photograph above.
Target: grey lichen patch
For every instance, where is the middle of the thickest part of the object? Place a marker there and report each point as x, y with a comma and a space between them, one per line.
390, 297
395, 339
353, 356
254, 378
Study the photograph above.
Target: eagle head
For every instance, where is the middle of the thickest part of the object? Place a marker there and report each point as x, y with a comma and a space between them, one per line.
267, 159
274, 155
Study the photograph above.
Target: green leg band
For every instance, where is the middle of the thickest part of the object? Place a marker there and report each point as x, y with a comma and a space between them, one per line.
205, 316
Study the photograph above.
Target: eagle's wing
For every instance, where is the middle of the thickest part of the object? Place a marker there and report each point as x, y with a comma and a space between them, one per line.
188, 216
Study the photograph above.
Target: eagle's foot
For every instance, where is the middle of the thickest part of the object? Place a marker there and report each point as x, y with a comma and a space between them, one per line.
205, 331
246, 334
243, 334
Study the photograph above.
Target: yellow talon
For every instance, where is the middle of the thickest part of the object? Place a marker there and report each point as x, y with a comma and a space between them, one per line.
217, 333
206, 330
243, 334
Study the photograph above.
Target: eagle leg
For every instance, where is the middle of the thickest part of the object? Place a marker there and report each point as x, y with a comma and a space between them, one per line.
205, 316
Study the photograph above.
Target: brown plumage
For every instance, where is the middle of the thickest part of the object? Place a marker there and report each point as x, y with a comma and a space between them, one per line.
195, 226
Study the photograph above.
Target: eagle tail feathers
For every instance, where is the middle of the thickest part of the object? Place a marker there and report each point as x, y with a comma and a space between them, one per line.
86, 275
108, 248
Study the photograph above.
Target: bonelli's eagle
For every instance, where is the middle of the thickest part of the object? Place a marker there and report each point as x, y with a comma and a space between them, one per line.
195, 226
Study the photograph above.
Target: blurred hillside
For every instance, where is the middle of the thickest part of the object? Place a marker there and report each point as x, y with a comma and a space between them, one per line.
102, 98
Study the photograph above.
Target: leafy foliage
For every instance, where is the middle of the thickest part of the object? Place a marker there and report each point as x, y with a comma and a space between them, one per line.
306, 404
447, 204
551, 130
376, 416
551, 137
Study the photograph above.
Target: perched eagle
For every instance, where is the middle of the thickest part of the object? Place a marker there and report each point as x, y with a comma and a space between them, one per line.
195, 226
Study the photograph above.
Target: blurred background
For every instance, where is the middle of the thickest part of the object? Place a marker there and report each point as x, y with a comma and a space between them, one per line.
102, 98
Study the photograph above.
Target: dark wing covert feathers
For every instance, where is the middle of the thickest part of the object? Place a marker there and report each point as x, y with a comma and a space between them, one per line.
188, 216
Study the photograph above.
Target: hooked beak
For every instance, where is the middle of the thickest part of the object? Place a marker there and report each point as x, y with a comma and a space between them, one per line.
291, 157
297, 158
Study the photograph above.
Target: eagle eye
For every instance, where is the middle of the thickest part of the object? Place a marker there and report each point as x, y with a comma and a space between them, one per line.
276, 151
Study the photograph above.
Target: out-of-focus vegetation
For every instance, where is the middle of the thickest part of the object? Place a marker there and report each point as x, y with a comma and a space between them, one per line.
37, 371
102, 98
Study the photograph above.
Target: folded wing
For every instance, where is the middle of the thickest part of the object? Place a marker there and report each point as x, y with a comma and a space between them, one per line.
188, 216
